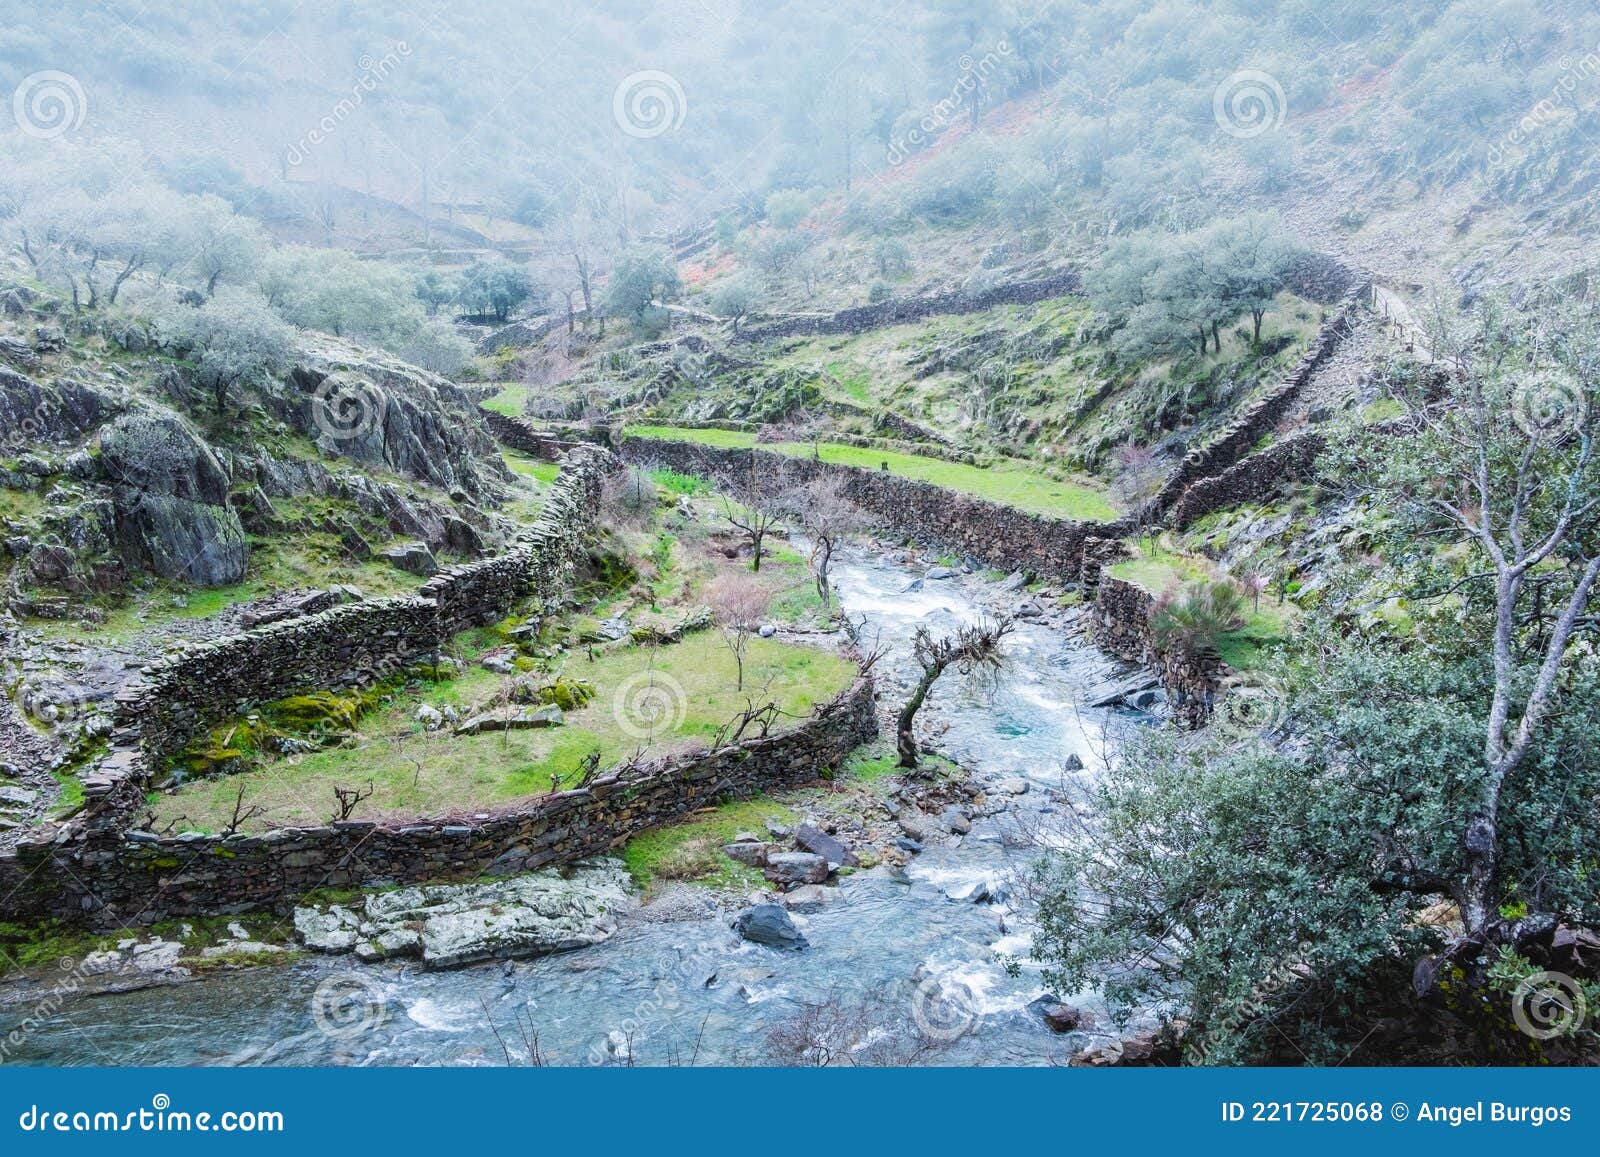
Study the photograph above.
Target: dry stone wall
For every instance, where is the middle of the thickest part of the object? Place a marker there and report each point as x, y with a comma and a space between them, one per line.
994, 534
195, 687
113, 878
1250, 480
896, 311
1248, 428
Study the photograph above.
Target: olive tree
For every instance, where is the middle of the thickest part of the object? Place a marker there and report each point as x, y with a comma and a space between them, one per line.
234, 338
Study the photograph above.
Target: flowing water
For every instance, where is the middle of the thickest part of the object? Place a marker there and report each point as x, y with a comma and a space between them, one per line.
897, 953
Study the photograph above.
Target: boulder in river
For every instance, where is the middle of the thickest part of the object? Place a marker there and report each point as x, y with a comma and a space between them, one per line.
769, 924
453, 924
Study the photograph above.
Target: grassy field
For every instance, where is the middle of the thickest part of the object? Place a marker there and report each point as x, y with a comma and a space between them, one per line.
1008, 483
415, 772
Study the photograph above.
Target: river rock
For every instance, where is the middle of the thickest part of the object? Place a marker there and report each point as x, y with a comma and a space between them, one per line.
810, 897
453, 924
1015, 785
790, 869
955, 821
1073, 763
331, 930
751, 854
769, 924
1058, 1016
820, 843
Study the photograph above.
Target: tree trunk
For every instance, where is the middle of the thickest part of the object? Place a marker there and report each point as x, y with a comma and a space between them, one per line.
1256, 315
905, 743
755, 543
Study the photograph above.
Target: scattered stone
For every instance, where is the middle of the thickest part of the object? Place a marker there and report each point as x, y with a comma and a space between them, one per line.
955, 821
430, 717
516, 719
767, 630
1014, 581
1073, 763
769, 924
907, 844
940, 572
751, 855
1015, 785
499, 664
790, 869
820, 843
413, 558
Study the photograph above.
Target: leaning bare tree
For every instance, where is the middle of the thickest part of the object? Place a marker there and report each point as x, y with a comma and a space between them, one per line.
828, 516
972, 650
1503, 461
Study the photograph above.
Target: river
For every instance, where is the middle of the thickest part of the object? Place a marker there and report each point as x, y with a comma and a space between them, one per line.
898, 951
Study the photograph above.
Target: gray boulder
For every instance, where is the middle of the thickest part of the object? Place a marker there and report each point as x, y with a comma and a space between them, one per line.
769, 924
516, 719
791, 869
820, 843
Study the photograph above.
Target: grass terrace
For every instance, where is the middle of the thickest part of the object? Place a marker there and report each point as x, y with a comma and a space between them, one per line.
1009, 483
416, 772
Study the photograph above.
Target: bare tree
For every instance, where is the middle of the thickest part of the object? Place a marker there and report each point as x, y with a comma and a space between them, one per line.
973, 649
755, 510
828, 516
242, 814
739, 604
1138, 480
350, 798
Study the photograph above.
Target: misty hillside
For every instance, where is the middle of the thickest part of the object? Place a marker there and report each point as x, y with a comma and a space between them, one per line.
477, 479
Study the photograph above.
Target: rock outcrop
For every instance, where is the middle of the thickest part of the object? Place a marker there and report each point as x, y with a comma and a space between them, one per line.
170, 492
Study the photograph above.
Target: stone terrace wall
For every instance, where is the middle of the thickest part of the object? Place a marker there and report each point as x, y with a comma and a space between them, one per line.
1122, 628
1251, 479
136, 877
524, 436
863, 318
1248, 428
996, 535
198, 686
